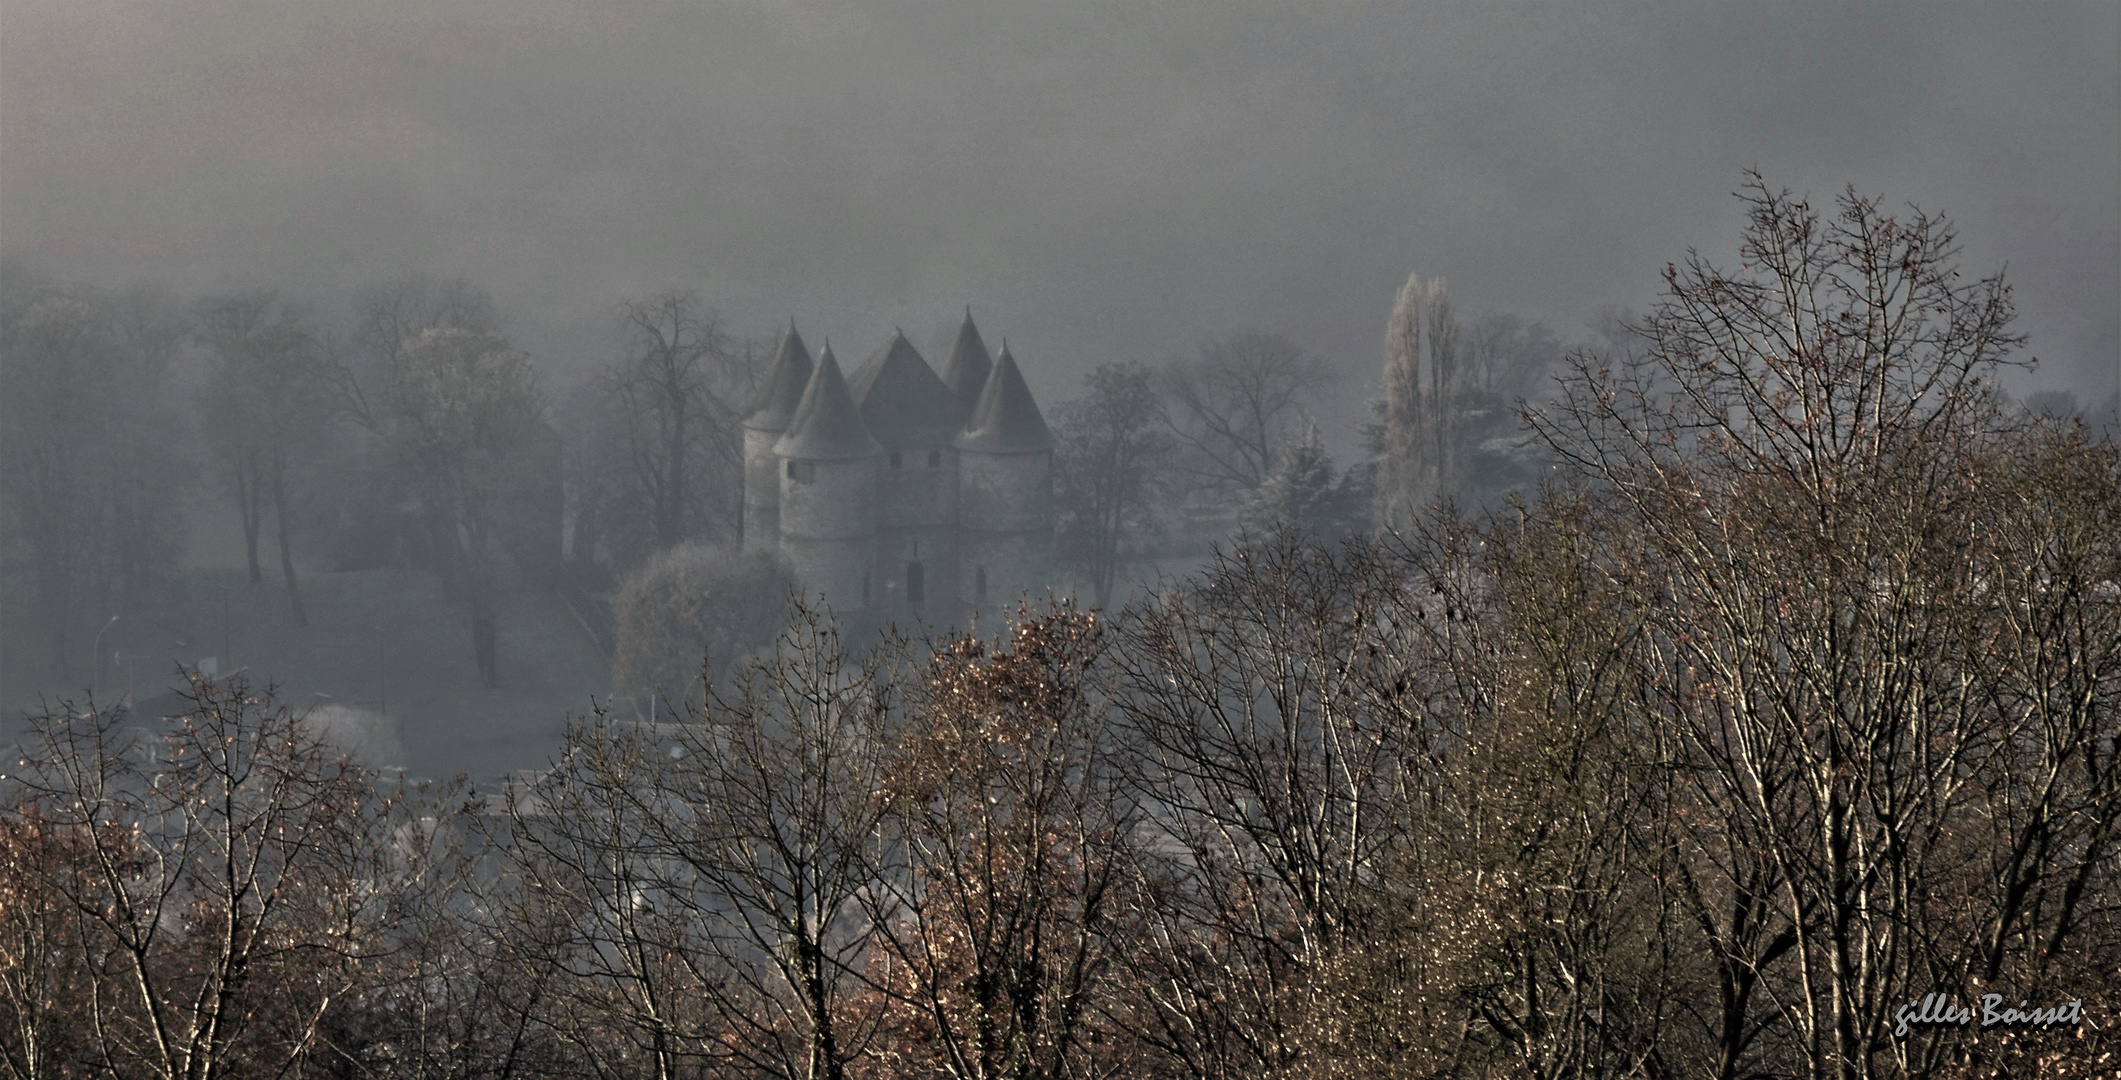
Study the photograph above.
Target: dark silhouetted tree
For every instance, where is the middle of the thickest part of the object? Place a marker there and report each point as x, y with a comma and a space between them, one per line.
96, 466
269, 395
1234, 405
1108, 470
680, 385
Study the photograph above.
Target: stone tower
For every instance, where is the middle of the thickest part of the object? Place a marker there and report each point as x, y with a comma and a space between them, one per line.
916, 419
1005, 495
968, 366
828, 492
897, 493
768, 421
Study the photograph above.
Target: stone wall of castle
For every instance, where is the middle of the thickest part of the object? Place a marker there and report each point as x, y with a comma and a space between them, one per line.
898, 494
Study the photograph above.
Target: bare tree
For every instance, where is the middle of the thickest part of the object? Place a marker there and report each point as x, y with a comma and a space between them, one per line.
225, 876
390, 316
95, 467
233, 319
446, 992
459, 411
1841, 566
785, 774
268, 396
1533, 891
602, 519
579, 902
44, 994
1235, 404
681, 384
1397, 824
1273, 780
1107, 472
696, 885
1509, 366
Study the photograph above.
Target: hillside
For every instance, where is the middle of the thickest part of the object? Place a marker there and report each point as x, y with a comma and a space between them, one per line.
379, 640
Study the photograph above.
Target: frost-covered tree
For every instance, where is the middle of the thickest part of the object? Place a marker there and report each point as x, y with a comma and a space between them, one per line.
1303, 491
693, 604
1449, 424
1419, 416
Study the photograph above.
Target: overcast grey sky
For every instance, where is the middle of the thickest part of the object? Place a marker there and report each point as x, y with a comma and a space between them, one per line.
1099, 180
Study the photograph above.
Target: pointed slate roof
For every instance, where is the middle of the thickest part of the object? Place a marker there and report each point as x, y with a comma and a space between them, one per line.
827, 426
966, 370
1007, 420
784, 385
902, 400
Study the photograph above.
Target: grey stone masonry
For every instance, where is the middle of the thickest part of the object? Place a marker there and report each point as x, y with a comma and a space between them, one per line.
899, 494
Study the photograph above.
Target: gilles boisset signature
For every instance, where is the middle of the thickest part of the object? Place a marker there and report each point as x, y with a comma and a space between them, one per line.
1936, 1010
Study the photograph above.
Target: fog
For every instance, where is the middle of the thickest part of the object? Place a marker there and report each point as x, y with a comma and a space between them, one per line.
1099, 182
1059, 538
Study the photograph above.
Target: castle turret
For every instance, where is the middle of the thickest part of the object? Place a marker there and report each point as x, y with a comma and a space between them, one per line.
828, 492
1005, 496
966, 371
768, 421
916, 418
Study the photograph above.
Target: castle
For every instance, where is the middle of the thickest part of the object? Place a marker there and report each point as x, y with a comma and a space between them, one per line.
898, 493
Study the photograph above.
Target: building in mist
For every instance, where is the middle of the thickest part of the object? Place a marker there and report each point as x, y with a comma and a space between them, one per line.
897, 492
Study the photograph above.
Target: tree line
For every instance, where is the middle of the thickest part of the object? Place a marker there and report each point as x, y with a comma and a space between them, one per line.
412, 433
1788, 700
408, 430
1166, 460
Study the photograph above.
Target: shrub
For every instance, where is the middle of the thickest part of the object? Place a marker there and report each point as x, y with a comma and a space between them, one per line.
693, 605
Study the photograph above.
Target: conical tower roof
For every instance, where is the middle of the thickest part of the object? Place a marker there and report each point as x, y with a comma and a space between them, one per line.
902, 400
827, 426
1007, 420
966, 370
784, 385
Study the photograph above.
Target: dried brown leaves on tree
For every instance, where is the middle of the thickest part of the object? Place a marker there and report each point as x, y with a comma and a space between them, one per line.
1792, 700
216, 885
1002, 870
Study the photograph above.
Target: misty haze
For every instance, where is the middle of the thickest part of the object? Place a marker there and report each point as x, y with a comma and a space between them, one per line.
1053, 540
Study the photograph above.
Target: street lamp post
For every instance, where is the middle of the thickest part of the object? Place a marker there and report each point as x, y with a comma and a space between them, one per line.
382, 671
99, 648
